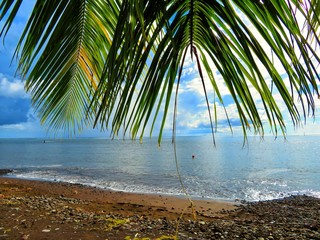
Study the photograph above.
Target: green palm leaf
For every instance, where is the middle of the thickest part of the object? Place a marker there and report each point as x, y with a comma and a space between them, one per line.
62, 50
118, 63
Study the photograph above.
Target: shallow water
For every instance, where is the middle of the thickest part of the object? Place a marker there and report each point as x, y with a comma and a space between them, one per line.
262, 170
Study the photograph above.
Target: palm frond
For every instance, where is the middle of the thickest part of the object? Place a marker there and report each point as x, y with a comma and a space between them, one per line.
5, 7
69, 41
117, 62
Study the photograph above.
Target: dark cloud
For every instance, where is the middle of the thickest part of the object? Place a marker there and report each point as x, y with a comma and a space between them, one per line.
13, 111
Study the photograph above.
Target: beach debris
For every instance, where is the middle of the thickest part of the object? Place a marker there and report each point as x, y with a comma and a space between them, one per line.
112, 223
147, 238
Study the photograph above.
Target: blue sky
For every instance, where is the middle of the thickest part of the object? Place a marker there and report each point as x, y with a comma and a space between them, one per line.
18, 119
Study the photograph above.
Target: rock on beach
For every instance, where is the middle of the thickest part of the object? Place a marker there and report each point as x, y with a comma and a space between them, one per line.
42, 210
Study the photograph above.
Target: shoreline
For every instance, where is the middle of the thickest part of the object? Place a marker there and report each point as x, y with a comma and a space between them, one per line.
171, 204
32, 209
178, 196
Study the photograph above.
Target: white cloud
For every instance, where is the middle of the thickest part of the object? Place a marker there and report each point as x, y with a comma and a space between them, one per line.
12, 89
18, 126
22, 130
195, 86
195, 117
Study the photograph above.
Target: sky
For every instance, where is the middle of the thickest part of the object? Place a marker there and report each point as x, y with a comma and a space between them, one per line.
19, 120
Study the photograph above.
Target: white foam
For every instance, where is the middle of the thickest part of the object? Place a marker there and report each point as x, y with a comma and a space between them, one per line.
244, 190
258, 195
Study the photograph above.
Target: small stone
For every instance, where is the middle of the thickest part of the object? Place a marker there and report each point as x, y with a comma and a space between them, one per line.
25, 237
46, 230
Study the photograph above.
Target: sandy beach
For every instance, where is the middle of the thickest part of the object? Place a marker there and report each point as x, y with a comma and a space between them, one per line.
54, 210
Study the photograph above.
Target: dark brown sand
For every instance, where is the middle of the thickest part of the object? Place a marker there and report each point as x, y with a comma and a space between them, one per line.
50, 210
17, 197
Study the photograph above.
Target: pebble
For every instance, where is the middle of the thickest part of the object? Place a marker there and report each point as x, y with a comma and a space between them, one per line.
296, 217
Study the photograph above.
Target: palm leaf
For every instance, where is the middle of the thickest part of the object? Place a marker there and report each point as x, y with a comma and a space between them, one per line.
115, 63
69, 41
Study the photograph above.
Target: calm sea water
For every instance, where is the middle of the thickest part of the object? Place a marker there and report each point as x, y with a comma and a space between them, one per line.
262, 170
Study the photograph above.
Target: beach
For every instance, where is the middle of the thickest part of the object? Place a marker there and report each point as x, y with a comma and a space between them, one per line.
55, 210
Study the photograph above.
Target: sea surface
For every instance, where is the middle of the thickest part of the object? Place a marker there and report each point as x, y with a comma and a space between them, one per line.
262, 170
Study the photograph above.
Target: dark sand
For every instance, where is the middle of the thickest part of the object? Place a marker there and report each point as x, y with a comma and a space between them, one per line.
51, 210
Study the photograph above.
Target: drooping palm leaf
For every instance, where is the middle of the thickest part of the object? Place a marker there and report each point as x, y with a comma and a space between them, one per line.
62, 50
215, 28
116, 62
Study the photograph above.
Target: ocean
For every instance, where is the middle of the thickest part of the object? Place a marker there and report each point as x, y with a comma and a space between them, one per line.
262, 170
